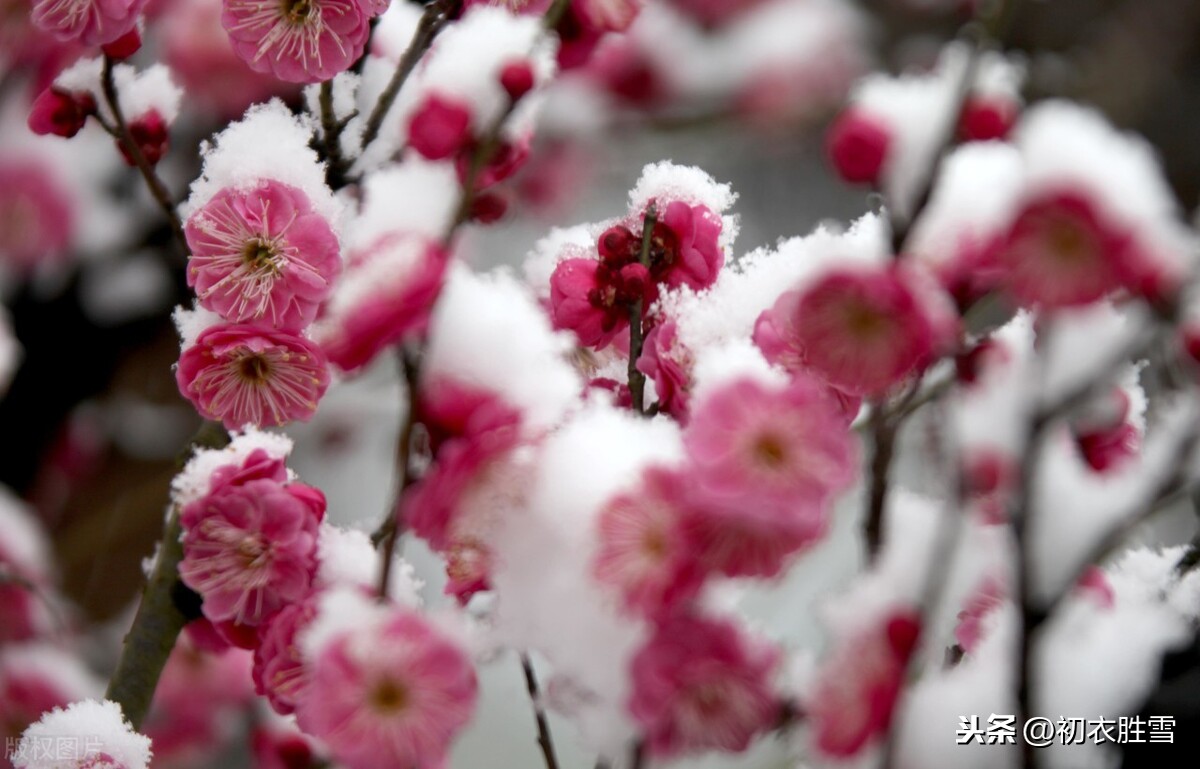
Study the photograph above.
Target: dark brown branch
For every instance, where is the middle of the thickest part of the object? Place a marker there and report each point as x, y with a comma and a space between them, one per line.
134, 150
331, 139
637, 380
545, 742
436, 16
392, 528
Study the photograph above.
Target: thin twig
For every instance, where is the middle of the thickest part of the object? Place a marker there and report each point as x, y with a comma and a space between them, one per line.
331, 135
435, 17
637, 380
545, 742
637, 756
123, 134
390, 530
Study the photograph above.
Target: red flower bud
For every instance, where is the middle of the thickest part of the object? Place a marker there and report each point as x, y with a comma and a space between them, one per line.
124, 46
858, 145
60, 112
149, 132
517, 78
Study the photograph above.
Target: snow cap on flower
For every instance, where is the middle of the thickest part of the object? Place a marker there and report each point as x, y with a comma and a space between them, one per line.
347, 557
97, 730
91, 22
664, 182
487, 331
268, 143
140, 92
196, 478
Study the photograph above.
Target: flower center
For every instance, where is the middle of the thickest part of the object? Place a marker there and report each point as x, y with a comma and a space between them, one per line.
389, 697
259, 256
654, 542
297, 11
1068, 242
250, 550
770, 452
255, 369
864, 322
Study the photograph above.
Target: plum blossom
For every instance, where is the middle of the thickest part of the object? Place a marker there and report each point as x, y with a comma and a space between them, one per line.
856, 689
91, 22
861, 330
300, 41
858, 144
37, 216
765, 463
246, 374
645, 547
701, 684
667, 363
60, 112
387, 293
250, 544
280, 673
395, 692
262, 255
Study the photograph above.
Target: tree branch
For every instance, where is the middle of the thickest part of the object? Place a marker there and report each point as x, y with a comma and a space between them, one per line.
392, 527
545, 742
637, 380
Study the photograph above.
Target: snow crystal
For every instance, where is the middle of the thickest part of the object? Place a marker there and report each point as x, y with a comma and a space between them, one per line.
98, 727
488, 330
268, 143
192, 323
347, 557
193, 482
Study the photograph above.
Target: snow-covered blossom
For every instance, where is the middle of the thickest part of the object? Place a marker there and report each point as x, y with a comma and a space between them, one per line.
395, 690
96, 732
262, 255
91, 22
249, 545
35, 679
702, 684
300, 41
244, 374
24, 581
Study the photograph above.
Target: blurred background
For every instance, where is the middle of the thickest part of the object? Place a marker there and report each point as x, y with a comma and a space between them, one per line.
92, 421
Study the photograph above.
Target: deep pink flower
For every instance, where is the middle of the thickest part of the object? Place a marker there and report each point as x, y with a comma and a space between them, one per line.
396, 693
856, 690
262, 255
245, 374
149, 132
300, 41
1061, 250
276, 747
863, 331
668, 364
387, 293
588, 298
987, 118
684, 246
440, 127
517, 78
858, 145
279, 670
450, 408
700, 684
36, 216
91, 22
1108, 450
645, 547
59, 112
250, 549
769, 458
198, 685
124, 46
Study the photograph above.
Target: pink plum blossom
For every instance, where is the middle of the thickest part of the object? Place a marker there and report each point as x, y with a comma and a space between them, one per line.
667, 362
440, 127
645, 547
701, 684
864, 330
250, 548
387, 294
684, 246
91, 22
394, 693
856, 689
37, 218
300, 41
1062, 250
768, 460
59, 112
279, 671
244, 374
262, 255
